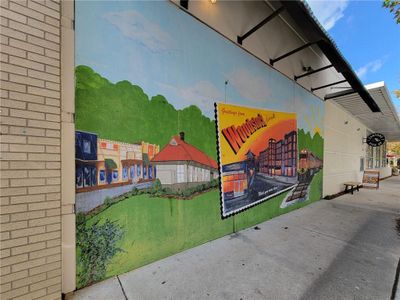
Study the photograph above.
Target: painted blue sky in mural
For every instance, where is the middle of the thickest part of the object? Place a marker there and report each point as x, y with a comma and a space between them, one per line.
120, 49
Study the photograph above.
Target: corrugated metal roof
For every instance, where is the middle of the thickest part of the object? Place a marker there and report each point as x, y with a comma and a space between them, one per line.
386, 122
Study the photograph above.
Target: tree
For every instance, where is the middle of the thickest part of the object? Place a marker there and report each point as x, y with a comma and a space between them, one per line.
394, 7
394, 147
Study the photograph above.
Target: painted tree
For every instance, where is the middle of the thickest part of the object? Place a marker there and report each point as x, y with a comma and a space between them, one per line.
394, 7
123, 112
97, 245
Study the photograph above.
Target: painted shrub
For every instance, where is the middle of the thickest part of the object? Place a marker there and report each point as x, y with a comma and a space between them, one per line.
147, 182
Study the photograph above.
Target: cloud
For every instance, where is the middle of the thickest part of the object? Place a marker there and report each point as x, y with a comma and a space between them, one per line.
372, 66
138, 28
203, 94
249, 86
328, 12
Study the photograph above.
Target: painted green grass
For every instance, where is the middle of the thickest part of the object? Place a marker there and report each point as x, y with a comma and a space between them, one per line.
157, 227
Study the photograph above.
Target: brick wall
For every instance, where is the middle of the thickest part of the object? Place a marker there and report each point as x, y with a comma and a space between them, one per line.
30, 149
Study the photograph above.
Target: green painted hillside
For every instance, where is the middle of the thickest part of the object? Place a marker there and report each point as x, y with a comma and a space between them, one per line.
313, 143
123, 112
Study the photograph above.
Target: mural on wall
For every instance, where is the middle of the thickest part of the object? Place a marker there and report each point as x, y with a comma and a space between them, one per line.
147, 178
258, 155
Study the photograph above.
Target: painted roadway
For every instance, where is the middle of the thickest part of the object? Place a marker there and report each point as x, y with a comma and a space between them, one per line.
346, 248
261, 185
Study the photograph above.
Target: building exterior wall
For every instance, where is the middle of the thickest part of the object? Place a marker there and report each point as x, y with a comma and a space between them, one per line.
67, 146
247, 14
31, 121
344, 148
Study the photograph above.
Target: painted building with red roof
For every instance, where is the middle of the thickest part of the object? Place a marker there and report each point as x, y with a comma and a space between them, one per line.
181, 165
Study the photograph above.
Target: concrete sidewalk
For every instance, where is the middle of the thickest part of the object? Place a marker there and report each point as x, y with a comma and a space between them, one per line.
346, 248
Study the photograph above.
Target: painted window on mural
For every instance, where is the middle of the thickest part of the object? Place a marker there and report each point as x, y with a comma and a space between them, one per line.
93, 176
132, 172
144, 172
79, 177
102, 176
180, 174
191, 174
150, 172
87, 177
125, 173
115, 175
138, 168
86, 146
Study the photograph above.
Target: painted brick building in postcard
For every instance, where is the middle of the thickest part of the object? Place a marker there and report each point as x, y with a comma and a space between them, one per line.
280, 157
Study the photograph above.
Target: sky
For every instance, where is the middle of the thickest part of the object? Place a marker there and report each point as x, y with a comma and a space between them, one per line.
368, 37
162, 50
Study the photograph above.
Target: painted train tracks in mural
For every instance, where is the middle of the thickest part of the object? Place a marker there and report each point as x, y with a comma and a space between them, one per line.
309, 165
258, 185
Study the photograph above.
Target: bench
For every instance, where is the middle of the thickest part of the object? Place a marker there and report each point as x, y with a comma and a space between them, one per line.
351, 185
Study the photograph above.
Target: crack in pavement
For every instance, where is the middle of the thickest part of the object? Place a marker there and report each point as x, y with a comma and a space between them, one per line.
122, 288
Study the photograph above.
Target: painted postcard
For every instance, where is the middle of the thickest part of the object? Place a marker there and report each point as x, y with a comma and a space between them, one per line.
258, 155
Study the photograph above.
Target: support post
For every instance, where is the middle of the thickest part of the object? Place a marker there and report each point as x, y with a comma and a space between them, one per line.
328, 85
274, 60
240, 39
340, 94
312, 72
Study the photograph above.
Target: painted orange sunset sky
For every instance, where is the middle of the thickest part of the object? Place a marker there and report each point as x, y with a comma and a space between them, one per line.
276, 132
276, 128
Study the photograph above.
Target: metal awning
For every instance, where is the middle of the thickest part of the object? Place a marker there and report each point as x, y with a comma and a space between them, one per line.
299, 14
314, 33
386, 122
